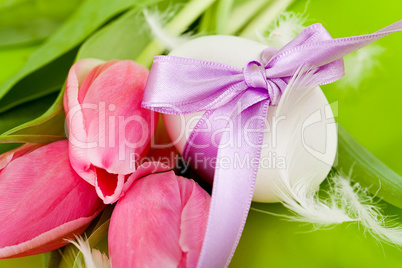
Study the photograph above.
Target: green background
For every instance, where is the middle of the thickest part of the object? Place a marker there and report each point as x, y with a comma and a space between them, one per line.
371, 114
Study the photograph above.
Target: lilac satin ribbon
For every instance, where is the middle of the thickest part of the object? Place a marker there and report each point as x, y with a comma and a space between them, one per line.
182, 85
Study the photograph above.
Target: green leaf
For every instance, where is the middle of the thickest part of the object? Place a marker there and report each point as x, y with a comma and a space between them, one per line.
125, 38
46, 128
25, 112
368, 170
43, 126
122, 39
4, 147
12, 59
30, 138
46, 124
51, 259
45, 80
86, 19
29, 21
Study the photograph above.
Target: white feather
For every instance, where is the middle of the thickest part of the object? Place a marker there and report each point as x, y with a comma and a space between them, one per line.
345, 203
299, 192
155, 21
285, 29
360, 65
362, 208
93, 258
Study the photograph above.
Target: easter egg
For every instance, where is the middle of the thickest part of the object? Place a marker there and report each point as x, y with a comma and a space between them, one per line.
311, 147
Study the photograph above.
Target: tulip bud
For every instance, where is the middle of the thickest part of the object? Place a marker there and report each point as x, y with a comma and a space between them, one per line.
42, 200
160, 222
109, 132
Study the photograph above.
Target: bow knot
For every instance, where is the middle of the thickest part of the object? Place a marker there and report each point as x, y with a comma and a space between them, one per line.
255, 77
275, 90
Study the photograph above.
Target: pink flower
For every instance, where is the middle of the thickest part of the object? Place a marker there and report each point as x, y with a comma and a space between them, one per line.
109, 132
160, 222
42, 200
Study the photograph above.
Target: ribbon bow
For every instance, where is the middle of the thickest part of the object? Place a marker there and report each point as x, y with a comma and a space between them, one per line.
181, 85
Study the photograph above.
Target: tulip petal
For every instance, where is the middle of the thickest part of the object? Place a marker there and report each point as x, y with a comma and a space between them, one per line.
43, 201
160, 222
108, 186
143, 170
47, 241
121, 127
111, 187
90, 77
75, 119
190, 237
7, 157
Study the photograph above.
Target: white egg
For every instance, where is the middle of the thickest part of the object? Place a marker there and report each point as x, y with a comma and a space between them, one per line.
315, 142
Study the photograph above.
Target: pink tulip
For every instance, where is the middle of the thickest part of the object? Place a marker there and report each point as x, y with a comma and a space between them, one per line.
42, 200
109, 132
160, 222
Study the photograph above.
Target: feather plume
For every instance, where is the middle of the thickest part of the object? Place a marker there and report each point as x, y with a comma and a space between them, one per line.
284, 30
299, 191
360, 205
360, 65
93, 258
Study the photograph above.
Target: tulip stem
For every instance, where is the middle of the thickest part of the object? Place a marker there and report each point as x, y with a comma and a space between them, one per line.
215, 19
176, 26
265, 18
243, 13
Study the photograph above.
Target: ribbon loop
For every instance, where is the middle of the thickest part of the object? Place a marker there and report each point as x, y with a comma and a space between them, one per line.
254, 75
267, 54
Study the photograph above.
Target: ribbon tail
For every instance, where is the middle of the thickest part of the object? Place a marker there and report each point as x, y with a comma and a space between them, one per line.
317, 50
202, 145
233, 188
199, 151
